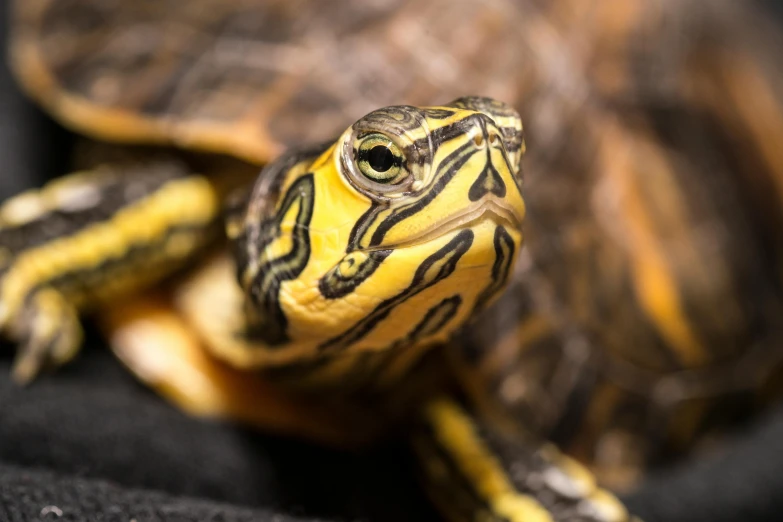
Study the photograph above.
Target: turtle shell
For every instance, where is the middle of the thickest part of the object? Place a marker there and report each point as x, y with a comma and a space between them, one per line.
253, 78
654, 181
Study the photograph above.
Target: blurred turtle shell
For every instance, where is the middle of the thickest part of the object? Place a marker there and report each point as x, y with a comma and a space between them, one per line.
650, 294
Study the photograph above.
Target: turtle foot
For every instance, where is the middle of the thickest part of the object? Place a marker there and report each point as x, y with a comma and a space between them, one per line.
48, 334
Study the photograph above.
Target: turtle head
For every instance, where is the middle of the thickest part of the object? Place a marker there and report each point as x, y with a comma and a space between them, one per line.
394, 235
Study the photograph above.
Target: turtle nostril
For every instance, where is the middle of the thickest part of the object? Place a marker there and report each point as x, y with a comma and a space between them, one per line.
493, 138
478, 139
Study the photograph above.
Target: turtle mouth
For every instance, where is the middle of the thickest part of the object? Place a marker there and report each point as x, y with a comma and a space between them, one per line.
490, 209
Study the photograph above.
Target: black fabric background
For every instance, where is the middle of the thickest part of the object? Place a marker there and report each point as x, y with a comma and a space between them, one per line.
95, 444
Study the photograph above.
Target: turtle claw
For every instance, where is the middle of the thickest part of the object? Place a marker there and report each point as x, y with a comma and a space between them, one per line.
49, 335
24, 369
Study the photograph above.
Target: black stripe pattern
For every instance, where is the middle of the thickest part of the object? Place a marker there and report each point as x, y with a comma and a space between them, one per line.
435, 268
267, 321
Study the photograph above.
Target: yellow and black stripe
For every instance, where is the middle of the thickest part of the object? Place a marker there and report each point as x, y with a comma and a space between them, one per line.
474, 472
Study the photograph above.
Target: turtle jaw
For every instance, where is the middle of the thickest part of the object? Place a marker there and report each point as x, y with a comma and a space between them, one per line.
489, 209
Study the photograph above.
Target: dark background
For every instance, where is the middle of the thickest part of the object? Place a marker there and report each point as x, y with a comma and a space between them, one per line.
97, 445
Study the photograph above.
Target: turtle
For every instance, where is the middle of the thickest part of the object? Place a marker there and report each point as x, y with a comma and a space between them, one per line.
382, 269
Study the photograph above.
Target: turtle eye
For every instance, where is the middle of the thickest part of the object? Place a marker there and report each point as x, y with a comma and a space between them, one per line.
380, 160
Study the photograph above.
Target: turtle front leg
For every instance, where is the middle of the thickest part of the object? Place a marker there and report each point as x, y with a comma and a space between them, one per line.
472, 471
88, 239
